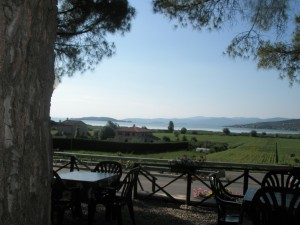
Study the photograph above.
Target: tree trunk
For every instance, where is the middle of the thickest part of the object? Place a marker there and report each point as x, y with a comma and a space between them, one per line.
27, 35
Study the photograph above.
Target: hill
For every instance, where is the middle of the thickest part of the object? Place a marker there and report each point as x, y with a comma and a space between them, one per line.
93, 118
202, 121
190, 122
292, 125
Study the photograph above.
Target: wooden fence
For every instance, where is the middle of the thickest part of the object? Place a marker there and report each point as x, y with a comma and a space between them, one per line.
158, 177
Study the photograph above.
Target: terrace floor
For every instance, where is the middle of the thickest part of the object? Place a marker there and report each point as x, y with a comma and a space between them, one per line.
149, 212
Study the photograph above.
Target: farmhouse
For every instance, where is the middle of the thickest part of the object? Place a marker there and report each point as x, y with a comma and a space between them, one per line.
134, 134
71, 128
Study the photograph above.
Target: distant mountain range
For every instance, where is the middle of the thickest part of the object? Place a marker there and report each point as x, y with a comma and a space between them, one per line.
292, 124
93, 118
201, 121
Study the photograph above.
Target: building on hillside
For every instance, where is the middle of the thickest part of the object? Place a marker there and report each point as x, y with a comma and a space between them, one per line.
134, 134
72, 128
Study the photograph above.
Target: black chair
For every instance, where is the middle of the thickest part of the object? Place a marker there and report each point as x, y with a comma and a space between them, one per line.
282, 178
276, 206
100, 193
109, 167
63, 198
123, 197
229, 205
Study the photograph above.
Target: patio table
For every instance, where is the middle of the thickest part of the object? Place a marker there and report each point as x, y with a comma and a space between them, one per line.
88, 182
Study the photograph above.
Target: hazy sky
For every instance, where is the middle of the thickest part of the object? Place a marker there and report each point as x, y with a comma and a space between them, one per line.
162, 72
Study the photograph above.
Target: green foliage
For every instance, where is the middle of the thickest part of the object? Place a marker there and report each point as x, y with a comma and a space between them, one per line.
96, 134
239, 148
112, 125
166, 139
183, 130
226, 131
176, 133
171, 127
82, 28
253, 133
194, 139
282, 57
243, 148
264, 19
107, 132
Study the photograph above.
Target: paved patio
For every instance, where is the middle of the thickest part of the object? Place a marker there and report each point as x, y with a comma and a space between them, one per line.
151, 212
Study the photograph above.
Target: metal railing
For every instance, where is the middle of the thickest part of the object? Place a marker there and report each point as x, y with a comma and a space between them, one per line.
156, 175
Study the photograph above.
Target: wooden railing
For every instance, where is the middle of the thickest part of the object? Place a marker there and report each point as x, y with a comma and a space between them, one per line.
156, 175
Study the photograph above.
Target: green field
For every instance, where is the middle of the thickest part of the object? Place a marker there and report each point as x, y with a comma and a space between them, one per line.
241, 148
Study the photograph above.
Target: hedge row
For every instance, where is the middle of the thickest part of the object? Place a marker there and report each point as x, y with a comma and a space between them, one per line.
109, 146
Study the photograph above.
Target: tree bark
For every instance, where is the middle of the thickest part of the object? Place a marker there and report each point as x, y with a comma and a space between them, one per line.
27, 35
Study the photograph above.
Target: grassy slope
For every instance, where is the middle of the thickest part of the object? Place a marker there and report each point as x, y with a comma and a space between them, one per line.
244, 149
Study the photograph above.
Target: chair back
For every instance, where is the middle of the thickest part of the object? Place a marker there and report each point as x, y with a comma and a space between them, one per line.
276, 206
57, 186
128, 183
63, 198
282, 178
219, 190
109, 167
229, 206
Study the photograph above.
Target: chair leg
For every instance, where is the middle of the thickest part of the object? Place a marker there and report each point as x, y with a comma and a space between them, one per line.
119, 215
131, 212
108, 213
60, 217
91, 212
77, 207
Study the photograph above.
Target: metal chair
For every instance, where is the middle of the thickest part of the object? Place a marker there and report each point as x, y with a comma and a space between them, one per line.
63, 198
100, 193
123, 197
276, 206
229, 205
109, 167
282, 178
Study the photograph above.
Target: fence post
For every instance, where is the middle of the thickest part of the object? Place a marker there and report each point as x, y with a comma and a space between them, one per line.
276, 156
188, 188
73, 161
153, 184
246, 180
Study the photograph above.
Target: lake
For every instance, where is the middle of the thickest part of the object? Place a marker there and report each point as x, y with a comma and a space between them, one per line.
164, 126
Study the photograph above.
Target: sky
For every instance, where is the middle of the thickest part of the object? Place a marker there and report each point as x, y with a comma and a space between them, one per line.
162, 72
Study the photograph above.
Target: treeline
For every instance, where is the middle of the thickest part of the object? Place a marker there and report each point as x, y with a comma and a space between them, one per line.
292, 125
114, 147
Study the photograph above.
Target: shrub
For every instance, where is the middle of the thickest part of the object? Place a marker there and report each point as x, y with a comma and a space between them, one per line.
167, 139
253, 133
226, 131
183, 130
